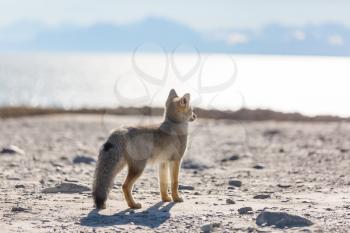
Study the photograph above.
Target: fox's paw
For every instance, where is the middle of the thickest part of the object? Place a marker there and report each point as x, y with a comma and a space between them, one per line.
166, 199
178, 199
136, 206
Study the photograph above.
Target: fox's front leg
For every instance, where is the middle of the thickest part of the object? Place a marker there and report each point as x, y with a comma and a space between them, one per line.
164, 181
175, 169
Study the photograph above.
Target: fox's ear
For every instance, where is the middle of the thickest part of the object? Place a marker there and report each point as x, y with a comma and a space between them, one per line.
185, 100
172, 95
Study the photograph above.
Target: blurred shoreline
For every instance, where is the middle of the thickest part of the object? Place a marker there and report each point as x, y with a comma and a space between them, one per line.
243, 114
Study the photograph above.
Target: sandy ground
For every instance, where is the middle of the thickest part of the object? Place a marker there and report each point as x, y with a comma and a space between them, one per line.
304, 171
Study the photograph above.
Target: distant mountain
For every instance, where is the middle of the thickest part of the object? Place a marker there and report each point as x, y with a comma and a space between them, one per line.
325, 39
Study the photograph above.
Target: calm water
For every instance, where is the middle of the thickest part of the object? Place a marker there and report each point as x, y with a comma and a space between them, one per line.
310, 85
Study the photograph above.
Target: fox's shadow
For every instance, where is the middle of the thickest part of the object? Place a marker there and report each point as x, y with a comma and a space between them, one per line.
152, 217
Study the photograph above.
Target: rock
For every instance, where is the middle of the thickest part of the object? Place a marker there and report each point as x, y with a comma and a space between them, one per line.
271, 132
284, 185
281, 220
258, 166
230, 201
12, 150
235, 183
19, 209
245, 210
66, 188
343, 150
17, 186
190, 164
262, 196
83, 159
186, 187
231, 158
207, 228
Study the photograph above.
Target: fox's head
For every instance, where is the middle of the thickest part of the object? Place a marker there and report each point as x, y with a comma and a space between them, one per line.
178, 109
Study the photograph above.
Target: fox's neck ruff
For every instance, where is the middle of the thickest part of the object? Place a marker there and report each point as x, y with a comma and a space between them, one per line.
174, 128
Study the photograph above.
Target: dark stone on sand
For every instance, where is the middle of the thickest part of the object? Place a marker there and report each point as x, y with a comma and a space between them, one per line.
262, 196
258, 166
66, 188
12, 150
19, 209
189, 164
245, 210
343, 150
284, 185
235, 183
186, 187
208, 228
231, 158
83, 159
230, 201
271, 132
18, 186
281, 220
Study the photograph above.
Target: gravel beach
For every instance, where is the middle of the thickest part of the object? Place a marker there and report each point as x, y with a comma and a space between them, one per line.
233, 176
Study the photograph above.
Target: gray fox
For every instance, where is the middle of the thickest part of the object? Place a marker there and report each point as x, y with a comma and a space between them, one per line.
135, 147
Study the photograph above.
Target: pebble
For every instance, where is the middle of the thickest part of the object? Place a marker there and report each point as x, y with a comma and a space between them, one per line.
245, 210
284, 185
12, 150
19, 209
83, 159
235, 183
262, 196
230, 201
258, 166
17, 186
66, 188
281, 220
186, 187
207, 228
231, 158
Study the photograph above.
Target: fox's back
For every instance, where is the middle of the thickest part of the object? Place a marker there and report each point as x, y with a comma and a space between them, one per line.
151, 143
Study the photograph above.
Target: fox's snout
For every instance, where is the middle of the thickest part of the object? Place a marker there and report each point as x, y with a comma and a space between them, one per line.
193, 117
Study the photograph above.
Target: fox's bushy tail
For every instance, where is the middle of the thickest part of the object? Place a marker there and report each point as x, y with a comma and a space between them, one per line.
110, 161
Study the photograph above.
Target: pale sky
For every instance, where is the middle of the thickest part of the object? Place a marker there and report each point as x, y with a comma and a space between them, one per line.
199, 14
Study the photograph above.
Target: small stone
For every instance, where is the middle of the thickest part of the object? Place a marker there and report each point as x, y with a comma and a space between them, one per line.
245, 210
83, 159
230, 201
284, 185
12, 150
186, 187
231, 158
258, 166
235, 183
19, 209
207, 228
281, 220
66, 188
271, 132
262, 196
17, 186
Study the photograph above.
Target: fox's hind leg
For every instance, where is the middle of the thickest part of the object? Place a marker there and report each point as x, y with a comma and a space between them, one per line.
175, 169
134, 173
164, 181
